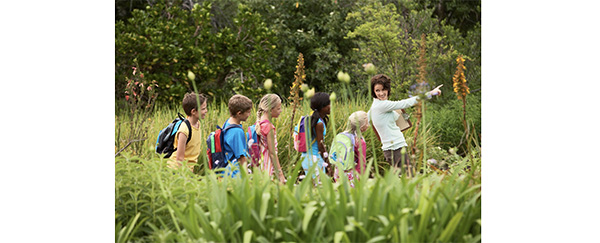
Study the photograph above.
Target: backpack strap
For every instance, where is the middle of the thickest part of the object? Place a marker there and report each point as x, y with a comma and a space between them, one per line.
352, 138
187, 122
189, 126
230, 126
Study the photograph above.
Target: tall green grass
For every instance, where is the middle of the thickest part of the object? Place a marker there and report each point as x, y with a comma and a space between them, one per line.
155, 203
218, 113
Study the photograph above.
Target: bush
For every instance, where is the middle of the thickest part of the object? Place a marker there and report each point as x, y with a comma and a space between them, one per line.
166, 41
446, 121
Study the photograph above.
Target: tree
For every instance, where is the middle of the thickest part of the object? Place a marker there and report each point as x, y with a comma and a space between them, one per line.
167, 40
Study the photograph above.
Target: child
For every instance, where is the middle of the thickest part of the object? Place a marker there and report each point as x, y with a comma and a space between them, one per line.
236, 148
269, 107
189, 151
357, 121
321, 107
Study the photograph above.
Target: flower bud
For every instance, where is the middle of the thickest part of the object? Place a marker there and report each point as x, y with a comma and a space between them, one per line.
268, 84
304, 87
191, 75
344, 77
340, 75
369, 68
310, 93
332, 96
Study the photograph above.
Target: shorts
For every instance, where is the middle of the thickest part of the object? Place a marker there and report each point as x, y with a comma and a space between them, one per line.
307, 163
397, 157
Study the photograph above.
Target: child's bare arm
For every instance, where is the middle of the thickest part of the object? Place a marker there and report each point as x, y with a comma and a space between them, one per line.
181, 143
242, 161
319, 129
273, 155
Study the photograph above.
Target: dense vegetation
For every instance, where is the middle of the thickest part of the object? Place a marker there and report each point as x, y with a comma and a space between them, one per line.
155, 204
234, 45
166, 48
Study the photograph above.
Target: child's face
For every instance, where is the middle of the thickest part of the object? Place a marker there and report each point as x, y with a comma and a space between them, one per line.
276, 110
244, 116
203, 110
364, 127
326, 109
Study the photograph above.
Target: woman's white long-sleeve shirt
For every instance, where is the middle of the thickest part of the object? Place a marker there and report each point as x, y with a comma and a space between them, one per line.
384, 120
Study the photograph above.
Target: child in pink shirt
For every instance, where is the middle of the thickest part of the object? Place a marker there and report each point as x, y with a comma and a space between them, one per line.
269, 107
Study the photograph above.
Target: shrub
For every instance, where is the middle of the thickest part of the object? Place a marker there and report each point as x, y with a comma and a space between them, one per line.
167, 41
446, 121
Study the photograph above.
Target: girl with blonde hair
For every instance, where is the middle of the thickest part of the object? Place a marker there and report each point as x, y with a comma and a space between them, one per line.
269, 107
357, 125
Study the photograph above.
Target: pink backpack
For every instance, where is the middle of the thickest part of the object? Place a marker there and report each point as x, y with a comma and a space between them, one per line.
300, 136
253, 148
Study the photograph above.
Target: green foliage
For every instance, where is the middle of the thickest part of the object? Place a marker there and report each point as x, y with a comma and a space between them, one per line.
166, 41
315, 28
446, 123
178, 206
389, 37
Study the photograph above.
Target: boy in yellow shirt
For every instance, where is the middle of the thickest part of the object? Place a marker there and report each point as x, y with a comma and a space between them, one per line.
189, 151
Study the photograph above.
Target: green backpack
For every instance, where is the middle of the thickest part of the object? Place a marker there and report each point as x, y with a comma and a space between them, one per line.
342, 151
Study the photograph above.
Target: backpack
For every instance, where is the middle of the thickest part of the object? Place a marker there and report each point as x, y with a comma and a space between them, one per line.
300, 136
342, 151
166, 136
253, 147
215, 147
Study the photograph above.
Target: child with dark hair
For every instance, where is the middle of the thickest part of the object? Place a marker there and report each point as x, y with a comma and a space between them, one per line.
189, 151
320, 104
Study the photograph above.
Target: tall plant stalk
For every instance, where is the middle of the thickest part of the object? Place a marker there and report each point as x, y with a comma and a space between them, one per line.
461, 89
420, 107
295, 97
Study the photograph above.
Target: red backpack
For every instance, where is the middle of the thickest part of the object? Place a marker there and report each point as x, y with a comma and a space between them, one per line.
215, 148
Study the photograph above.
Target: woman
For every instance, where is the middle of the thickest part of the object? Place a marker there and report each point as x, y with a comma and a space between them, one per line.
384, 118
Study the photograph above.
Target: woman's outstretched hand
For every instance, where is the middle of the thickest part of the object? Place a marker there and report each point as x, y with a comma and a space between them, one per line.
437, 90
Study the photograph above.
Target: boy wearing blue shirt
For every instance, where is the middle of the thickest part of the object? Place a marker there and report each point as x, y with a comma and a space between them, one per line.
236, 148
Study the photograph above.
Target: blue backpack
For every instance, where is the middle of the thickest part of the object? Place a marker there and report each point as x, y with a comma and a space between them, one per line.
215, 148
166, 136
